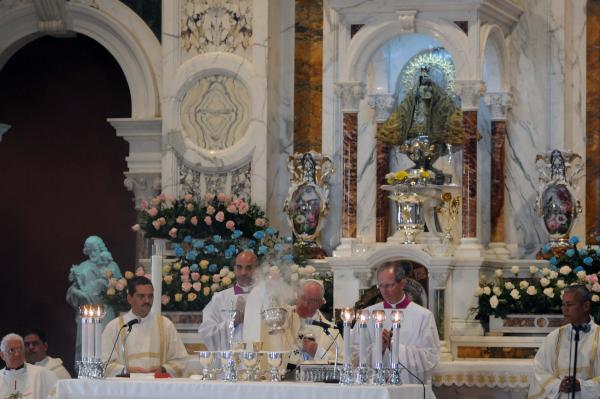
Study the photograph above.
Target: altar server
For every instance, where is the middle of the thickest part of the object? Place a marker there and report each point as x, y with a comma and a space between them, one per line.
153, 346
20, 379
36, 352
217, 315
553, 364
419, 341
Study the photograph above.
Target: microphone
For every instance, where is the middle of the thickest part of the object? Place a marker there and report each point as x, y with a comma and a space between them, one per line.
324, 326
129, 326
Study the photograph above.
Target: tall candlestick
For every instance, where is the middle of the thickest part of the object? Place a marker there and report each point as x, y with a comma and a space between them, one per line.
396, 317
84, 336
378, 317
347, 316
90, 336
363, 336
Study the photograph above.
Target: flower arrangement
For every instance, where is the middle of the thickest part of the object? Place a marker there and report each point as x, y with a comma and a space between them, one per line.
410, 177
116, 292
541, 291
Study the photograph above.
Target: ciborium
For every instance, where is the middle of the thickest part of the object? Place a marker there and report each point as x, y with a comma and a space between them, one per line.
275, 319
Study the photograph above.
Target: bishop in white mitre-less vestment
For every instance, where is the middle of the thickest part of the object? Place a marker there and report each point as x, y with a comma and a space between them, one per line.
216, 317
32, 382
153, 342
419, 341
554, 361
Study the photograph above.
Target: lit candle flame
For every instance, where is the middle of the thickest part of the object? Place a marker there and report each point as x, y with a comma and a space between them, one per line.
378, 316
396, 316
364, 316
347, 315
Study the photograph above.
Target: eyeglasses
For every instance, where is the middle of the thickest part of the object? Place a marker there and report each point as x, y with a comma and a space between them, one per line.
14, 351
386, 286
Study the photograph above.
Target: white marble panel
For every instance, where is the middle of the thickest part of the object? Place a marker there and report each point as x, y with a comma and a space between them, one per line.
366, 173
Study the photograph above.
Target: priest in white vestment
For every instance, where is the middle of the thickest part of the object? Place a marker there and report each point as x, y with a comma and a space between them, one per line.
308, 341
20, 378
36, 352
419, 340
217, 315
153, 345
553, 364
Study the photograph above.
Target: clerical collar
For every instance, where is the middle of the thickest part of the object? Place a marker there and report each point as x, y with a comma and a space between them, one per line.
398, 305
238, 289
16, 368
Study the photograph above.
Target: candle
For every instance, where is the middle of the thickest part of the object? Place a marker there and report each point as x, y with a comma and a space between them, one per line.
98, 331
363, 343
347, 316
83, 317
378, 317
90, 332
157, 283
396, 317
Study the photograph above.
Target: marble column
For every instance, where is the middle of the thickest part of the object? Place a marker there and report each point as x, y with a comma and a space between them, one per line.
382, 104
592, 169
350, 94
499, 104
469, 92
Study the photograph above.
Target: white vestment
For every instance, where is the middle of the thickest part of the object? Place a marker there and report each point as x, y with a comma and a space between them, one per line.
289, 339
153, 342
214, 329
419, 341
554, 359
55, 365
32, 382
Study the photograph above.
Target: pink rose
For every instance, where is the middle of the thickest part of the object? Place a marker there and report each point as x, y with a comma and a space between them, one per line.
152, 212
156, 225
144, 204
139, 271
162, 221
208, 220
171, 198
216, 278
188, 197
185, 278
210, 210
230, 225
209, 197
195, 276
112, 282
243, 208
120, 286
220, 216
161, 197
231, 208
194, 220
221, 197
185, 270
197, 286
592, 278
186, 287
260, 222
189, 207
173, 232
154, 201
238, 202
136, 227
180, 219
165, 299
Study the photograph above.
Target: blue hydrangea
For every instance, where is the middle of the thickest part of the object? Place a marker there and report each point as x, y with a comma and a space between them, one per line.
259, 235
262, 250
588, 261
236, 234
277, 247
198, 244
270, 231
546, 248
598, 238
251, 244
187, 239
574, 240
553, 260
210, 249
570, 252
554, 268
213, 268
578, 269
216, 238
194, 267
228, 254
582, 252
192, 255
287, 258
179, 251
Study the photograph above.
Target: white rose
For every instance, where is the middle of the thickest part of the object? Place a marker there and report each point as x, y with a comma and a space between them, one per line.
524, 284
487, 290
531, 290
293, 268
533, 269
479, 291
515, 269
231, 275
581, 275
549, 292
294, 277
497, 291
595, 298
515, 294
565, 270
301, 271
214, 287
498, 272
494, 302
596, 287
273, 269
553, 275
509, 286
544, 282
310, 269
545, 271
560, 284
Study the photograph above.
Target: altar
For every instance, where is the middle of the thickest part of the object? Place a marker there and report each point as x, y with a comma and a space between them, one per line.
181, 388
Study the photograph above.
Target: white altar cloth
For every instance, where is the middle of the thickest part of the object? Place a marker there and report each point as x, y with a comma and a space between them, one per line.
492, 373
182, 388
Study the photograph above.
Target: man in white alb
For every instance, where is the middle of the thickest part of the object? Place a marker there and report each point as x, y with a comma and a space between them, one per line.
20, 379
419, 341
553, 364
36, 352
216, 316
153, 346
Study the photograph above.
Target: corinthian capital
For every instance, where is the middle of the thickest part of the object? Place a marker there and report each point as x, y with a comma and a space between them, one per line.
144, 185
470, 91
499, 104
382, 104
350, 94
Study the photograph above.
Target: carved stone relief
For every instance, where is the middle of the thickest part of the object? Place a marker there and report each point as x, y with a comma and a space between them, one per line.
216, 25
215, 112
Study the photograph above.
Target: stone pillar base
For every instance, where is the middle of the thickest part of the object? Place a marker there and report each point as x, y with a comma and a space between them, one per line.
469, 248
460, 326
498, 250
345, 247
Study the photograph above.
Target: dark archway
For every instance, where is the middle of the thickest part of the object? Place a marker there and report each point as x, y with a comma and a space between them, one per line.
61, 169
